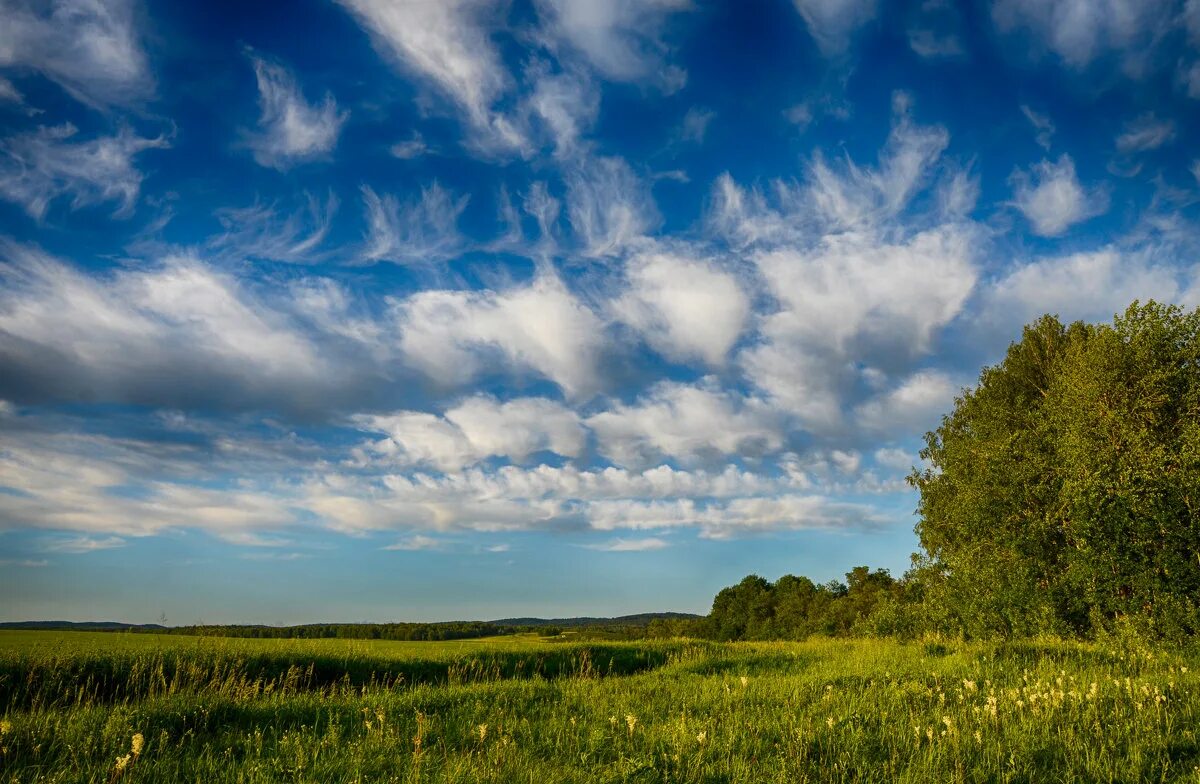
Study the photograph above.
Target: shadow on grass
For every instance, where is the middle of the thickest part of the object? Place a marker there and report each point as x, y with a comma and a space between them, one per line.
33, 683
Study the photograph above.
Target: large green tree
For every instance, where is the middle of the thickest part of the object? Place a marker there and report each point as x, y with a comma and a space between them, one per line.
1062, 493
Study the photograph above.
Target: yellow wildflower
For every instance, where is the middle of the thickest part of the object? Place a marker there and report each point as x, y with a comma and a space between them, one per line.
137, 744
123, 762
630, 722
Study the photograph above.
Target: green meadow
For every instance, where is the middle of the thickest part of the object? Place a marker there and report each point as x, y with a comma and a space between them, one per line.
94, 707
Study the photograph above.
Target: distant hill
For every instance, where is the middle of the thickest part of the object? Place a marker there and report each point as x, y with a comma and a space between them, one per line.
82, 626
640, 619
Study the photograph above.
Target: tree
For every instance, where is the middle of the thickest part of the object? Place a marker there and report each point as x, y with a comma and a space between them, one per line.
1062, 492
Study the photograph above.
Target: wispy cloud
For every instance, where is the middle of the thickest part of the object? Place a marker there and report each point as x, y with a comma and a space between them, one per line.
82, 544
448, 44
630, 545
90, 48
419, 231
1147, 132
38, 167
264, 231
291, 130
24, 563
417, 543
832, 23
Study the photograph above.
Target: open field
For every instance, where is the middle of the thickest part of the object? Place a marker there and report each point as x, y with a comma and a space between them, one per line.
77, 706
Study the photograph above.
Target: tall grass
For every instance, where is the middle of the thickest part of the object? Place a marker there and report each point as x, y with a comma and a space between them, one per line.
676, 711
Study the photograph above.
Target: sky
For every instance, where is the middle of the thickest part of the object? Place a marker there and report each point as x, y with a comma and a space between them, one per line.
396, 310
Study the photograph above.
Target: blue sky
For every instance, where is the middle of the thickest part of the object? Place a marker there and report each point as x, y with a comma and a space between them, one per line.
371, 310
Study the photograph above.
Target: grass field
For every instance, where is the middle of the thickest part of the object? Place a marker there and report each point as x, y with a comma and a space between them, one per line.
80, 707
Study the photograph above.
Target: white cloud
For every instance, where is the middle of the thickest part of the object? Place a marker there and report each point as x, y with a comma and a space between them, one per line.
630, 545
719, 520
695, 124
896, 459
1145, 133
1052, 199
81, 484
566, 103
291, 130
448, 42
518, 428
854, 299
931, 44
90, 48
833, 22
609, 207
263, 231
82, 544
25, 563
43, 165
476, 429
9, 93
620, 39
410, 149
686, 423
177, 330
833, 197
910, 408
415, 232
685, 308
417, 543
1042, 124
1091, 286
452, 336
1082, 31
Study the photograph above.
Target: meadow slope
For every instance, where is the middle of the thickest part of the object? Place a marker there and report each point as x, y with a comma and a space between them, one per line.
82, 707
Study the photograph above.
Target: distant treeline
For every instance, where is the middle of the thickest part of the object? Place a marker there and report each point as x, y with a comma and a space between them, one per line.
620, 628
794, 608
425, 632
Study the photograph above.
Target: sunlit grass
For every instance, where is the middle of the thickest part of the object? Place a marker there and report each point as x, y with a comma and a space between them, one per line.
823, 710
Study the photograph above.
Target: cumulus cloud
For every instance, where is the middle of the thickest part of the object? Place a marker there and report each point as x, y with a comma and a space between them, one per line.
44, 165
832, 23
1093, 286
854, 299
82, 484
448, 44
687, 423
1052, 199
453, 336
90, 48
172, 333
686, 309
911, 408
291, 130
623, 40
476, 429
413, 232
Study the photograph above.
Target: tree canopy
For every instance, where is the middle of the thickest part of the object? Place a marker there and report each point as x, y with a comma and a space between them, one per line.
1062, 493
